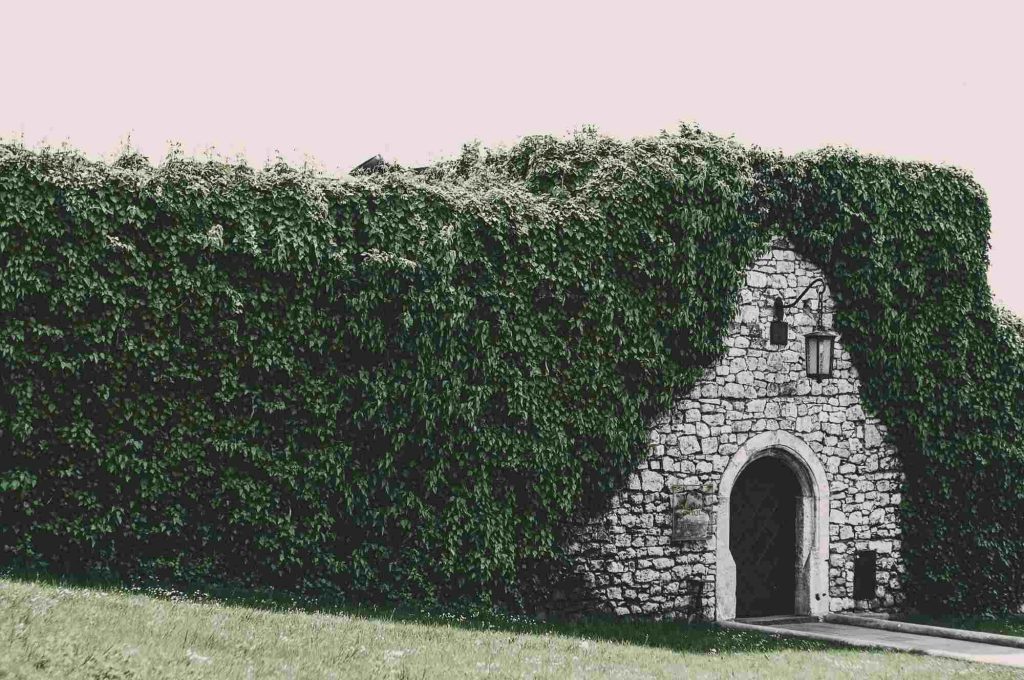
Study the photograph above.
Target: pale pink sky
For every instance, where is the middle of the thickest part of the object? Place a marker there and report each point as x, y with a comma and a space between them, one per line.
341, 82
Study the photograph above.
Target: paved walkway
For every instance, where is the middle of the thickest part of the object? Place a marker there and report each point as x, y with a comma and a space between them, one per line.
908, 642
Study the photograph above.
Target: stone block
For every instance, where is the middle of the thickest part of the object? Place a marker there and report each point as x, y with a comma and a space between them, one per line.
652, 481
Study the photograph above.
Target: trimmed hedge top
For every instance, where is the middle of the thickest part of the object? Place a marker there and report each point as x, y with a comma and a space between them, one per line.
403, 384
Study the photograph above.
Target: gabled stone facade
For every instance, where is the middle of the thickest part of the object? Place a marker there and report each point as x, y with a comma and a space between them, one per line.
662, 548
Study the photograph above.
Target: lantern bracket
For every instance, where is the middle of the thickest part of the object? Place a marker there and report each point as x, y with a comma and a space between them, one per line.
781, 306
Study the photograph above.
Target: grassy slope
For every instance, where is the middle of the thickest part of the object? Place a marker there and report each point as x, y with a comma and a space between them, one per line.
48, 631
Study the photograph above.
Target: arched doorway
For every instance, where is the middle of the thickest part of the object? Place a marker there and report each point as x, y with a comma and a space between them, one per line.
808, 558
763, 538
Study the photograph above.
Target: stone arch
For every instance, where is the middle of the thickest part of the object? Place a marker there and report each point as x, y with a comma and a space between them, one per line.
812, 523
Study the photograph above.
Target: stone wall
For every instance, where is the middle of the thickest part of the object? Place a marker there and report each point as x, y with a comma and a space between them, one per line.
627, 561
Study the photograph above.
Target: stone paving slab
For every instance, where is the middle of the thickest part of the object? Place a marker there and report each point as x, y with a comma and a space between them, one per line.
907, 642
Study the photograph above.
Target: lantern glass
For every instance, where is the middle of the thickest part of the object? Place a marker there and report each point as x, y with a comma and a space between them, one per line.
825, 357
819, 354
812, 357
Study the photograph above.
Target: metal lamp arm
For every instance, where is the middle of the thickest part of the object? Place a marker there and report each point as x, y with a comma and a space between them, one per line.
780, 305
801, 295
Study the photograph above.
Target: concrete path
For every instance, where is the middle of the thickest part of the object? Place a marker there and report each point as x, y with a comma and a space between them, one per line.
861, 636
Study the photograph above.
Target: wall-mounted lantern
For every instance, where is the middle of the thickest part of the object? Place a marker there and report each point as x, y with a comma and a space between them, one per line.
779, 331
819, 351
819, 354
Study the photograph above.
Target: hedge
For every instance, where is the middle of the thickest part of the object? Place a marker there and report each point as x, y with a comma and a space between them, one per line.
404, 384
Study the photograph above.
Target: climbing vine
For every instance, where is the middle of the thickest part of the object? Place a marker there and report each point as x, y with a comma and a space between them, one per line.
403, 384
905, 247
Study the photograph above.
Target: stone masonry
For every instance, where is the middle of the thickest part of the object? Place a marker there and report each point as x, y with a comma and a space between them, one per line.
629, 561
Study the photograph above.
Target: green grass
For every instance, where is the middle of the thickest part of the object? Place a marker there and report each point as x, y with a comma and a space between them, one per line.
1005, 625
53, 631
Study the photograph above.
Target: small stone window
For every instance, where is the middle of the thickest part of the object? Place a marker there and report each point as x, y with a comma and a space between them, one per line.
865, 576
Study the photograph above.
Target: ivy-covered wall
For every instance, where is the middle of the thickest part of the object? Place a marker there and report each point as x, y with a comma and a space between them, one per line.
659, 549
905, 248
404, 384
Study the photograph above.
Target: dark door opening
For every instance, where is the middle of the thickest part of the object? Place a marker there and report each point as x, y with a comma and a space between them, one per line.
762, 538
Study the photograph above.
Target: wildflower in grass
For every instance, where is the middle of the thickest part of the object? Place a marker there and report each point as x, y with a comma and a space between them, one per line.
194, 657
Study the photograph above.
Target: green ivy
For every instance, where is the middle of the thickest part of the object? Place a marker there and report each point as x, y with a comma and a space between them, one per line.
905, 249
402, 384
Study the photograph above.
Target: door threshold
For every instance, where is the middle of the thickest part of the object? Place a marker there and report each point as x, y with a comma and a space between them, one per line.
777, 619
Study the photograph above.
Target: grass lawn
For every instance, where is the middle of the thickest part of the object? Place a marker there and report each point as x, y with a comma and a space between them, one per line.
1009, 625
53, 631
